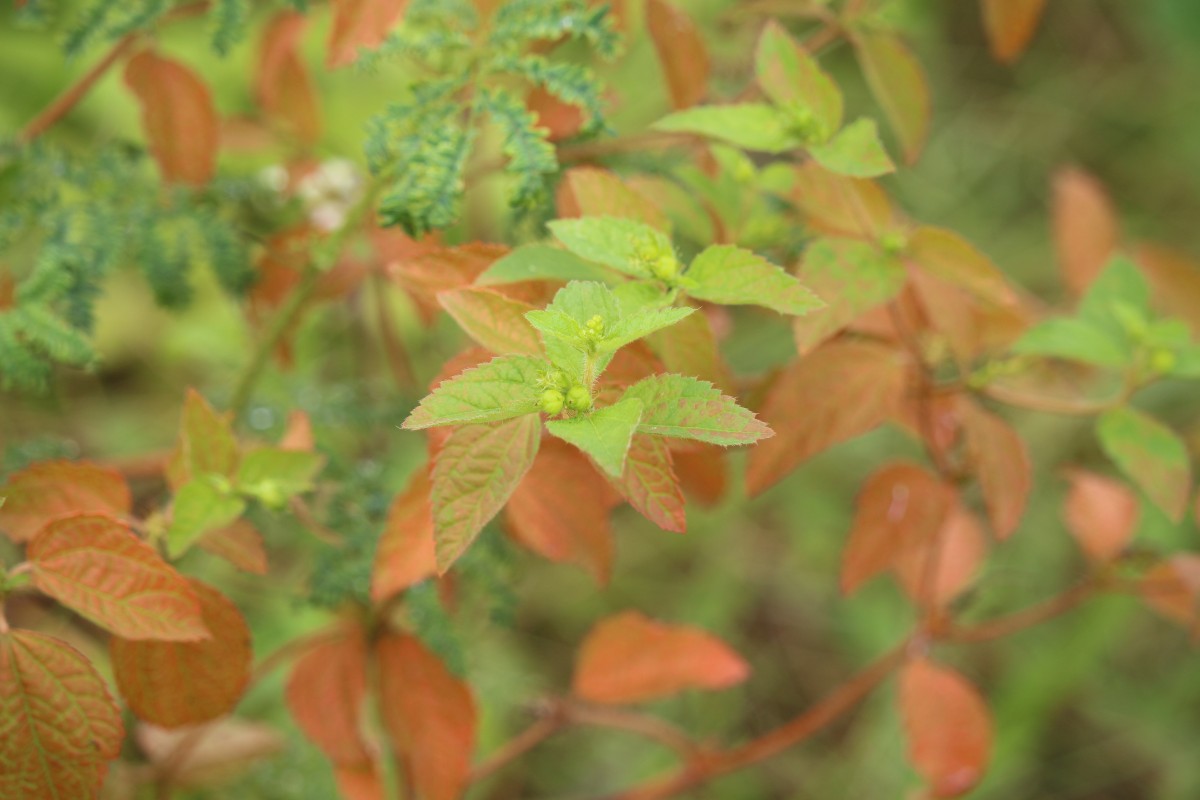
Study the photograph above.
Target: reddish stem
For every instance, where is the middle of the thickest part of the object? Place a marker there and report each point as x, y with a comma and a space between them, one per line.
1025, 618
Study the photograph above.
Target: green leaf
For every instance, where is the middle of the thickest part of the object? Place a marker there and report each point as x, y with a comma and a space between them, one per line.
686, 408
753, 126
502, 388
273, 475
603, 434
634, 296
558, 325
641, 323
476, 471
1121, 283
1151, 455
535, 262
199, 507
1074, 339
853, 277
790, 76
582, 300
622, 244
723, 273
856, 151
493, 320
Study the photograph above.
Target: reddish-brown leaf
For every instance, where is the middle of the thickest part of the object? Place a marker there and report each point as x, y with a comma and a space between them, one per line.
1010, 25
283, 83
560, 510
1172, 588
59, 727
178, 117
958, 549
703, 473
1002, 463
297, 432
900, 509
562, 120
650, 485
842, 206
99, 568
1101, 514
1085, 227
681, 52
629, 658
493, 320
50, 490
203, 756
360, 783
946, 255
184, 683
971, 326
206, 443
441, 269
325, 695
689, 347
1175, 280
240, 544
948, 725
594, 192
404, 557
428, 713
840, 391
899, 85
359, 23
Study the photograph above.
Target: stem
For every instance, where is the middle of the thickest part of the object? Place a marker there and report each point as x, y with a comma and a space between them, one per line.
324, 258
833, 706
632, 722
518, 746
1052, 405
61, 105
1025, 618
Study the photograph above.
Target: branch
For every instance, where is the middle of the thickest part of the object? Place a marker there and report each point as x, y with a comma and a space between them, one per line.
707, 766
1025, 618
66, 101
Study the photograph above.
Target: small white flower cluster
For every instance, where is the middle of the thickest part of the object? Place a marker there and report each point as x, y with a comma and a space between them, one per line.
327, 192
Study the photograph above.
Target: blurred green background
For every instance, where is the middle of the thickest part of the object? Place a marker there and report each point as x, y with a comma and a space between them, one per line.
1103, 704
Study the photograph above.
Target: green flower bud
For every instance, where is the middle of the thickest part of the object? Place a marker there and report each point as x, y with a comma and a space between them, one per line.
665, 267
579, 399
893, 243
551, 402
1163, 361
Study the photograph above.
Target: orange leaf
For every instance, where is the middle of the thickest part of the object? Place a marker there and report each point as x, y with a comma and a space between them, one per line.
283, 84
1101, 514
959, 547
560, 510
650, 485
900, 509
562, 120
404, 556
1175, 279
1085, 227
899, 85
628, 658
441, 269
240, 544
840, 391
703, 473
428, 713
184, 683
689, 347
1172, 588
206, 443
493, 320
946, 255
681, 52
99, 568
360, 23
60, 725
594, 192
1001, 460
948, 725
325, 694
360, 783
971, 326
178, 117
842, 206
1010, 25
297, 432
52, 489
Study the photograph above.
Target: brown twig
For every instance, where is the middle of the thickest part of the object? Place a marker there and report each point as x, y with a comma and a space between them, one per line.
1025, 618
519, 745
61, 105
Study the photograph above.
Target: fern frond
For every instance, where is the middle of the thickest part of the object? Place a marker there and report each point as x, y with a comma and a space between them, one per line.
229, 21
531, 157
519, 22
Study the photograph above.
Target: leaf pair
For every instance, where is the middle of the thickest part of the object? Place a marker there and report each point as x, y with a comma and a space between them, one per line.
806, 111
